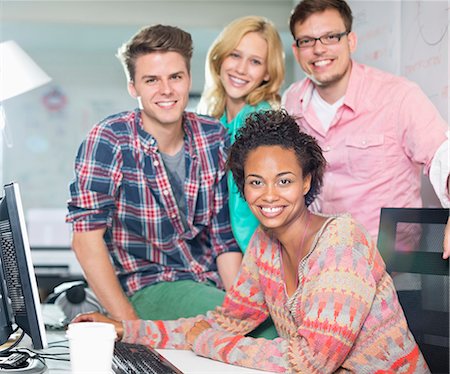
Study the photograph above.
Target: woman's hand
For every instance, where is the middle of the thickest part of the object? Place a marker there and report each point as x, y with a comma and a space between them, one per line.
196, 330
98, 317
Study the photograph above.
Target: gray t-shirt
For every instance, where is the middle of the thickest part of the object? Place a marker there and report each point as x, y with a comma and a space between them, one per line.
176, 171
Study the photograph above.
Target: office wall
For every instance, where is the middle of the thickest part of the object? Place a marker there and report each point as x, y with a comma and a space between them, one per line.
75, 43
408, 38
77, 49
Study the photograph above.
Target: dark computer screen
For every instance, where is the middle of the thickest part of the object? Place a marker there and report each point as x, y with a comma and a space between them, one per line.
410, 242
19, 297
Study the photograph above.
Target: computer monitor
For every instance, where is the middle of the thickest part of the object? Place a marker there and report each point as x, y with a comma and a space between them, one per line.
19, 297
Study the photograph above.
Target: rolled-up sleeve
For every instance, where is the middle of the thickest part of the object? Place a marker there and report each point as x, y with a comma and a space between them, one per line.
97, 179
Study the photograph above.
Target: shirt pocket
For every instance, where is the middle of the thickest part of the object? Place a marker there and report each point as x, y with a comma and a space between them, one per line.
204, 199
365, 154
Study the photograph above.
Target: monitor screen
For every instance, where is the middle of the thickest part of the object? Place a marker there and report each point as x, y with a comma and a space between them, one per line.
19, 295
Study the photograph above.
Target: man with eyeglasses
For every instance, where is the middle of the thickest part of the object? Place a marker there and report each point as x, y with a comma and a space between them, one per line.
377, 130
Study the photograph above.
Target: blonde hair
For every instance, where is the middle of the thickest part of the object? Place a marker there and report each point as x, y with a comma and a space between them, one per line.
213, 97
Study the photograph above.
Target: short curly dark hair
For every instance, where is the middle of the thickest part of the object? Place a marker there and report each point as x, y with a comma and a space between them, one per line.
277, 128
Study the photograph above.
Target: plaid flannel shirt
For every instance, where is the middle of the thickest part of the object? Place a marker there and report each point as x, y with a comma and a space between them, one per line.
121, 184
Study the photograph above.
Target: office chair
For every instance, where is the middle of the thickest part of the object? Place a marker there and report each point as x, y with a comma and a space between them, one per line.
410, 241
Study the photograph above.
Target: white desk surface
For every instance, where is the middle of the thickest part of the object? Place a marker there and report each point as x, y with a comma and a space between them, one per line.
186, 360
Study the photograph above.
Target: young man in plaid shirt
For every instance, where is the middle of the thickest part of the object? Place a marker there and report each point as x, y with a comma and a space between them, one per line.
149, 204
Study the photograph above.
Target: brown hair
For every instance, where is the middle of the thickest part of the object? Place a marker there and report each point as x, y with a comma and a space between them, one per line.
158, 38
306, 8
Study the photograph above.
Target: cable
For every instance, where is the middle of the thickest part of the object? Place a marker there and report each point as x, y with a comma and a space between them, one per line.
16, 342
43, 356
58, 346
32, 354
51, 344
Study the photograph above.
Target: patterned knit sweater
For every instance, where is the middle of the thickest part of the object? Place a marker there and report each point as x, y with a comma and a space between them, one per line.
344, 315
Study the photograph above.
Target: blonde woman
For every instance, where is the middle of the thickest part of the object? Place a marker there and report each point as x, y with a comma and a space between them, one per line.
244, 73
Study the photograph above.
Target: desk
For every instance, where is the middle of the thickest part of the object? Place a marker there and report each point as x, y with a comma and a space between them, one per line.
186, 361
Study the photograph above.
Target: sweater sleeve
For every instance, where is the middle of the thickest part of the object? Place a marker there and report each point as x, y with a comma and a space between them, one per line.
242, 311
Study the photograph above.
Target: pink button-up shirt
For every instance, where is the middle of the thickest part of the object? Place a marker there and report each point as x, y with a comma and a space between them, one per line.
381, 137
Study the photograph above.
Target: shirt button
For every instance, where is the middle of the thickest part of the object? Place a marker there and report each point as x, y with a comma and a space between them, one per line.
155, 163
166, 192
363, 142
174, 215
327, 148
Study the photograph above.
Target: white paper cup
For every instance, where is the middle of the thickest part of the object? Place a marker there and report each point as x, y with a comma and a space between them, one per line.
91, 347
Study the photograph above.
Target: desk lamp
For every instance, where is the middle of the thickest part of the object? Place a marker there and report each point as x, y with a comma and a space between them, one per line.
18, 74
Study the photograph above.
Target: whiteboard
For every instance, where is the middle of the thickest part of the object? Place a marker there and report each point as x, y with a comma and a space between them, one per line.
378, 29
408, 38
424, 58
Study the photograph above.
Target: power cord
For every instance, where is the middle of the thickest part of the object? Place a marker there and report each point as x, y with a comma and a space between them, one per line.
16, 342
19, 358
45, 356
55, 356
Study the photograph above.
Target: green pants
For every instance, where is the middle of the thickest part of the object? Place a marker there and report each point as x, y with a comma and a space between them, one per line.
183, 299
173, 300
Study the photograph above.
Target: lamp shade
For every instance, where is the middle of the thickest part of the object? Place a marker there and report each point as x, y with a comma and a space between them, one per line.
18, 72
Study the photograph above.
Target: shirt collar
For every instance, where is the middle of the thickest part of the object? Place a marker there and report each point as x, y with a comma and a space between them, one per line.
354, 88
352, 94
149, 143
191, 136
306, 94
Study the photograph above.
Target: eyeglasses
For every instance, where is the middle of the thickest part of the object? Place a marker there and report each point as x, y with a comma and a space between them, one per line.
328, 39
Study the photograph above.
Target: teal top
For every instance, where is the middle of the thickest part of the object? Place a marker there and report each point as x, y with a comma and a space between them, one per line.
243, 222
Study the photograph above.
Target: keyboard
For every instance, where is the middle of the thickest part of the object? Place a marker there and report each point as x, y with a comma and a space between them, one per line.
136, 358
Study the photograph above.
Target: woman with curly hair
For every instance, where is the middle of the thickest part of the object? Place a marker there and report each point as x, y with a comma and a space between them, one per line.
244, 73
320, 278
